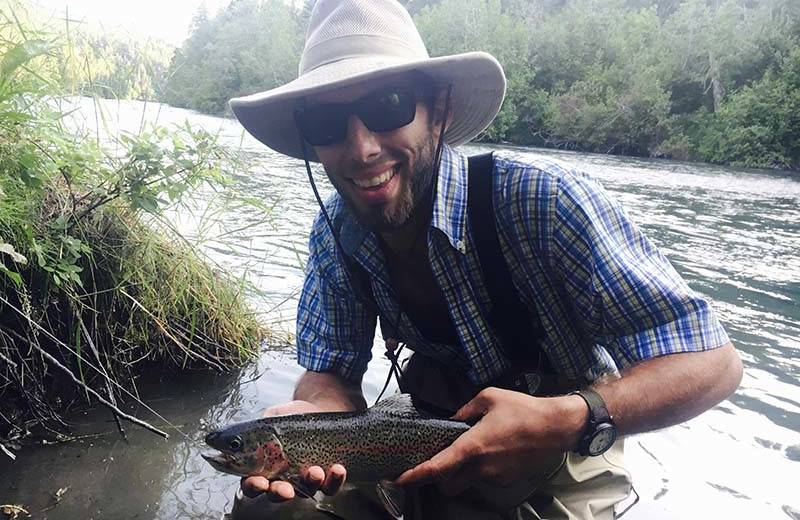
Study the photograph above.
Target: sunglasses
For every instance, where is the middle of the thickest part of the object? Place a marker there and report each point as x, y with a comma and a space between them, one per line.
380, 111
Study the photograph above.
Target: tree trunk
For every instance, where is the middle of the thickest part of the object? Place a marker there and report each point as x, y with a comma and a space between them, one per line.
717, 90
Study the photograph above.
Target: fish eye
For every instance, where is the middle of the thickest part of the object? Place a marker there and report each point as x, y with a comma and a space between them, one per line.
236, 443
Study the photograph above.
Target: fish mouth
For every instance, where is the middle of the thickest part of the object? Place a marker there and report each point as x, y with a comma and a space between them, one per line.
221, 461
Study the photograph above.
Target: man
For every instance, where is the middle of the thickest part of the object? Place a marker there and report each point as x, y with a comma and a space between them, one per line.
397, 241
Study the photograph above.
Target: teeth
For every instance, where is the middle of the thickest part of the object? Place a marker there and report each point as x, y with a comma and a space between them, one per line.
375, 181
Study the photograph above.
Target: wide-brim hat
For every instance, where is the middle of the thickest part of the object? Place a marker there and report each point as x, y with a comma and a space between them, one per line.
354, 41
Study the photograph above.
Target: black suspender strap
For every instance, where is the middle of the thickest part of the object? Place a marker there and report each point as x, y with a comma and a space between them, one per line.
519, 330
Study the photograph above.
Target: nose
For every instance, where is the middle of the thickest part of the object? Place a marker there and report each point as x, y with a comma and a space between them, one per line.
362, 143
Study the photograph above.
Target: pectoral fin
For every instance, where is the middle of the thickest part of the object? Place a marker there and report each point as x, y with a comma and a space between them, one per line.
392, 496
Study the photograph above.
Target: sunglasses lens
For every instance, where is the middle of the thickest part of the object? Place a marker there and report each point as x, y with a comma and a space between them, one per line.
381, 111
387, 110
324, 124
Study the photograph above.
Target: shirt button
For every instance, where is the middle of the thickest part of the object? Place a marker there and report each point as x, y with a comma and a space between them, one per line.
460, 245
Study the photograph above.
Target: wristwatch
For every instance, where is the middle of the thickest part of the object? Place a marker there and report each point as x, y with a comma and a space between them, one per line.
600, 432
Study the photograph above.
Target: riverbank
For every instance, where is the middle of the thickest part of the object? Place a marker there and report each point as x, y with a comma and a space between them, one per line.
97, 286
137, 300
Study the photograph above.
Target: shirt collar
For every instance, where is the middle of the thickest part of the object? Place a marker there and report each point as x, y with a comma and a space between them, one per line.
449, 207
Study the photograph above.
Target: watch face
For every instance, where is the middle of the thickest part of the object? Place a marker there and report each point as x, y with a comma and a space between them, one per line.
602, 440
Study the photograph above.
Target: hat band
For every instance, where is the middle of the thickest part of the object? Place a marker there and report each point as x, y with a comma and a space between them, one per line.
358, 46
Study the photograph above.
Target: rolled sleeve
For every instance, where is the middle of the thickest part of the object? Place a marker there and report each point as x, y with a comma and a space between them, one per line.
627, 294
694, 331
334, 330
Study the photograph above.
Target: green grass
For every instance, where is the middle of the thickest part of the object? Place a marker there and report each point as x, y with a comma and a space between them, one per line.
95, 287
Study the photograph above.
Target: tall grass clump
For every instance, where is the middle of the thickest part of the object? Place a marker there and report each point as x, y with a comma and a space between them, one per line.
96, 286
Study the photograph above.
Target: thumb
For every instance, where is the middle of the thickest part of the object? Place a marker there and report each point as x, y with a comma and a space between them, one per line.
437, 469
473, 411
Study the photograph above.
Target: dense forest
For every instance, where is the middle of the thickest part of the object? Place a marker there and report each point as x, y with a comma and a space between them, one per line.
113, 66
90, 61
707, 80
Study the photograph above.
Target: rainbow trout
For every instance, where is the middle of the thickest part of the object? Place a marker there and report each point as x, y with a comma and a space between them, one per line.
377, 444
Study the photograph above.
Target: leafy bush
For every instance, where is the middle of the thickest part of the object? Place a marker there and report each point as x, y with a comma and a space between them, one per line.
95, 283
760, 124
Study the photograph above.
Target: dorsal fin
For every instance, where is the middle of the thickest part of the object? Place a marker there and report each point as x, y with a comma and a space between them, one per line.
400, 405
403, 405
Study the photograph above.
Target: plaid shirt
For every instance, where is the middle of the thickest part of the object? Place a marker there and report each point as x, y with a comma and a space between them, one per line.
605, 295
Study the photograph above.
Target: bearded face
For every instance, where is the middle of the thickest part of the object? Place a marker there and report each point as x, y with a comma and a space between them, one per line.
386, 177
385, 201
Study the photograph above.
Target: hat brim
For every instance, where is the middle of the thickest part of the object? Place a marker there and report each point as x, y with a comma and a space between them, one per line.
478, 90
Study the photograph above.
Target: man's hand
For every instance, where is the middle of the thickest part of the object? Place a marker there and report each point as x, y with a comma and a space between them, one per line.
515, 437
316, 478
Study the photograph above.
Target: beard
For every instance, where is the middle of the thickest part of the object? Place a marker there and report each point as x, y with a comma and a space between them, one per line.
413, 200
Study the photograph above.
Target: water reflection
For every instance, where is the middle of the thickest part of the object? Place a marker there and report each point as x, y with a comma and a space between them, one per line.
733, 234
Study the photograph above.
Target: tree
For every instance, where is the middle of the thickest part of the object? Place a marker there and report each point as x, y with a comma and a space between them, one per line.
702, 79
252, 45
456, 26
415, 6
759, 125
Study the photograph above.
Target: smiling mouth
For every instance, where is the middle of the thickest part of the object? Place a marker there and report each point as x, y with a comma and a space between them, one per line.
376, 181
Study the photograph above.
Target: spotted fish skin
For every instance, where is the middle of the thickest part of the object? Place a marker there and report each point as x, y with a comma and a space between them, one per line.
378, 443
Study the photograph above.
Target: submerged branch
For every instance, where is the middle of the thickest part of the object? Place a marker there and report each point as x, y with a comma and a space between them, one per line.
107, 378
56, 363
77, 381
8, 452
7, 360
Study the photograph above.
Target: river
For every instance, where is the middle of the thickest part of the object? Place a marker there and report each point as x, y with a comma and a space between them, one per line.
734, 234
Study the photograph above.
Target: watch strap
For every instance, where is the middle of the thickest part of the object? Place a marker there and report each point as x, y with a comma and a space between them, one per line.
598, 413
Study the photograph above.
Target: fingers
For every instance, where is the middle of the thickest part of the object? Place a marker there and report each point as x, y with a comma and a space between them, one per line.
470, 412
329, 483
254, 486
314, 479
277, 491
495, 449
425, 473
280, 491
463, 463
334, 480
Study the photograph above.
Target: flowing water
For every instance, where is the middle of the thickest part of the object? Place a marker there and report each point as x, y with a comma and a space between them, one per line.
733, 234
